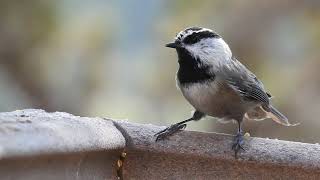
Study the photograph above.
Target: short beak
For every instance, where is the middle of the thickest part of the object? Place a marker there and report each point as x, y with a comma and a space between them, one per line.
173, 45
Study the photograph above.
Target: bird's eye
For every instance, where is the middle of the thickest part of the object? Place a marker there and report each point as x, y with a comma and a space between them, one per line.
191, 39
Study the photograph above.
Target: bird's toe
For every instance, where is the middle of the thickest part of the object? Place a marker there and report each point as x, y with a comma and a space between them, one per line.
169, 131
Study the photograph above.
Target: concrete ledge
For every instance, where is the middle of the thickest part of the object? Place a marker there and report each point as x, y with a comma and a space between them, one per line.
189, 155
35, 132
35, 144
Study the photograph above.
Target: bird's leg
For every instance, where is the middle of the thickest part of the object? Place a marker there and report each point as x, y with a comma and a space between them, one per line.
197, 115
238, 142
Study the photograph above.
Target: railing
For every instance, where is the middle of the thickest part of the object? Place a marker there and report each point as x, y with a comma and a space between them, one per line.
35, 144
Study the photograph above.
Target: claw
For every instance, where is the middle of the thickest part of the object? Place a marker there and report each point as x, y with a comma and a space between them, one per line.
169, 131
238, 144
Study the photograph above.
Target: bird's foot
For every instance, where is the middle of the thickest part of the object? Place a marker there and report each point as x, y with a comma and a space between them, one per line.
238, 144
169, 131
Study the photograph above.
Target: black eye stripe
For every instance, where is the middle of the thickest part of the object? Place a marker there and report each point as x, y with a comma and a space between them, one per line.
197, 36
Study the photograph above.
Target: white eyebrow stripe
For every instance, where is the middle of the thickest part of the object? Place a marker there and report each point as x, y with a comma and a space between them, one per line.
182, 34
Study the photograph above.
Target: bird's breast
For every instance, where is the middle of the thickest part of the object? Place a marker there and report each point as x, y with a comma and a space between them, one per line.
214, 98
201, 95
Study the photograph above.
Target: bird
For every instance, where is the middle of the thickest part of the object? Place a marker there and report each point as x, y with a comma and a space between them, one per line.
216, 84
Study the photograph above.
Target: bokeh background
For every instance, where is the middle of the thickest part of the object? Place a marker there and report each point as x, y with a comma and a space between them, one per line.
107, 58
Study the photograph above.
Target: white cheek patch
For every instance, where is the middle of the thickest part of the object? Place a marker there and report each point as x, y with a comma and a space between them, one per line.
211, 51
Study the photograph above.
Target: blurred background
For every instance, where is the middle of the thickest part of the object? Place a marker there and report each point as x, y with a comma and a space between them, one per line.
107, 58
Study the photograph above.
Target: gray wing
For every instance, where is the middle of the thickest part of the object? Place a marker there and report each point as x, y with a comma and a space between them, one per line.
245, 82
239, 78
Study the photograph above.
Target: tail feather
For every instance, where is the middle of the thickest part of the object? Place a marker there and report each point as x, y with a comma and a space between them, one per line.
276, 116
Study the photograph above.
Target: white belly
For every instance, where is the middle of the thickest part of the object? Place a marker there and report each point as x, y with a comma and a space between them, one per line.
200, 95
215, 99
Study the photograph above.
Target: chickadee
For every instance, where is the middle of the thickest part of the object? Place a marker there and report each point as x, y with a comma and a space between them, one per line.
215, 83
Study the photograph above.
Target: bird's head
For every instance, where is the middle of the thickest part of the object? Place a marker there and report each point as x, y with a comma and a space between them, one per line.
202, 44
